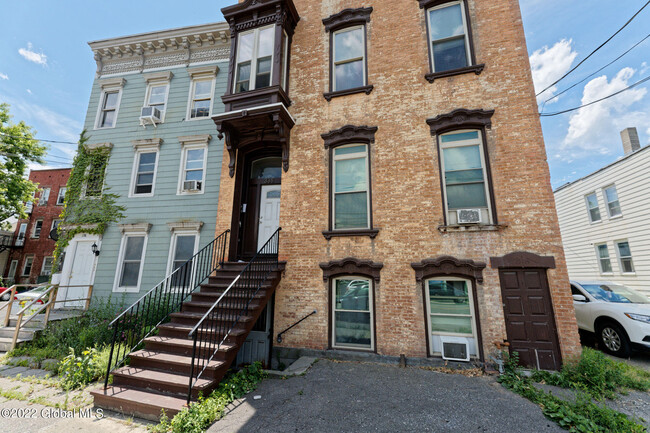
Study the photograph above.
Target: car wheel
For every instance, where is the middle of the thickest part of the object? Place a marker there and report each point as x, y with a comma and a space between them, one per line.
613, 339
4, 297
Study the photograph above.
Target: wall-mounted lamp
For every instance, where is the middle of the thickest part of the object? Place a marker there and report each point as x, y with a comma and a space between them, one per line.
95, 249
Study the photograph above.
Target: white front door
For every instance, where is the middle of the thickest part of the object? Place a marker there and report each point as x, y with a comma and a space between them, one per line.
80, 274
269, 213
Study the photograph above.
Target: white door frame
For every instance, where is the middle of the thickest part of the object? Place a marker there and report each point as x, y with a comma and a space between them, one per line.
70, 252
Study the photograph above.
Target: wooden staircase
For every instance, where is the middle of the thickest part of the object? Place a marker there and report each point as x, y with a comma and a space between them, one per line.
158, 375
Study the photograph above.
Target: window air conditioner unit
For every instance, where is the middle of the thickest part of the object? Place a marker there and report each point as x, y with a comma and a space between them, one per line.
150, 115
192, 185
455, 348
468, 216
29, 206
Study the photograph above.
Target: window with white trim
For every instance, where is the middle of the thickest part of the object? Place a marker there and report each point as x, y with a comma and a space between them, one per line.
611, 199
193, 167
182, 248
27, 266
22, 232
349, 58
604, 262
157, 96
95, 173
144, 172
449, 44
60, 199
624, 257
352, 313
108, 107
450, 312
254, 59
45, 196
350, 187
465, 181
131, 260
12, 270
201, 93
46, 269
36, 231
592, 207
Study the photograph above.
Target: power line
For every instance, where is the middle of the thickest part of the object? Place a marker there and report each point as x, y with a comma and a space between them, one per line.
37, 139
594, 51
594, 73
598, 100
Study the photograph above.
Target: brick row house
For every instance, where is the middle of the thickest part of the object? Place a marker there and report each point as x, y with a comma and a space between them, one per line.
397, 145
30, 259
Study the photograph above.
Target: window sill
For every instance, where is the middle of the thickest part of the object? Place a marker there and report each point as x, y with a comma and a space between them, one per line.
607, 273
364, 89
477, 69
471, 228
615, 217
628, 274
329, 234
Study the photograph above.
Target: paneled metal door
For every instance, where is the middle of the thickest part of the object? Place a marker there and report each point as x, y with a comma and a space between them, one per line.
530, 321
257, 346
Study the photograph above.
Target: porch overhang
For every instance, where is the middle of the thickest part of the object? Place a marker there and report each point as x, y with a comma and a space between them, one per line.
270, 123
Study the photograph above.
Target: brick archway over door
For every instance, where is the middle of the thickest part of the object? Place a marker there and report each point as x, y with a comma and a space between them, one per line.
528, 308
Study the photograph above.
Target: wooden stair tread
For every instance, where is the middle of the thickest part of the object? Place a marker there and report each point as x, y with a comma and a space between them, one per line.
235, 332
172, 358
185, 342
133, 398
198, 316
160, 377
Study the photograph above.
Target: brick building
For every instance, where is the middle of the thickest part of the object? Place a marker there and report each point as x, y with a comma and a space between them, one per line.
30, 262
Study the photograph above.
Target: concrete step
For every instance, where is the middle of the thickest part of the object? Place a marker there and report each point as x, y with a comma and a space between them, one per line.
175, 385
5, 343
137, 402
24, 334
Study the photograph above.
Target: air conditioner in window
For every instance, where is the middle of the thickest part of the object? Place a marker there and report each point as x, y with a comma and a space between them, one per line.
455, 348
29, 206
150, 115
192, 185
468, 216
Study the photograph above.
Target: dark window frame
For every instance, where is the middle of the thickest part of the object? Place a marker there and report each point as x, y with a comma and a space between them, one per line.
426, 5
340, 21
349, 134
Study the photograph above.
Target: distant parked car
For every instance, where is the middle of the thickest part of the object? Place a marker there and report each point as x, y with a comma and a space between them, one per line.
618, 315
4, 293
25, 298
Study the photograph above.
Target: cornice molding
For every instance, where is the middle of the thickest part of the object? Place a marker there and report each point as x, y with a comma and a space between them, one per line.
195, 139
185, 225
158, 76
203, 71
93, 146
250, 14
346, 18
349, 134
460, 118
111, 82
523, 259
135, 228
351, 266
147, 142
448, 265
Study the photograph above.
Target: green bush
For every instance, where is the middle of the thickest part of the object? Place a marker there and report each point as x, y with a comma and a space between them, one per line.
79, 370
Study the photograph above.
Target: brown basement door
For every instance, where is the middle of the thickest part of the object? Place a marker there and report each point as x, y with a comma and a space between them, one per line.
530, 322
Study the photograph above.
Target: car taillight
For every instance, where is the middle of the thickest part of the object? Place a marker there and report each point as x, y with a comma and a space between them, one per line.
40, 301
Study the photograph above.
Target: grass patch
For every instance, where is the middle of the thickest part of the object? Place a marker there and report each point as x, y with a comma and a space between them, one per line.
581, 415
200, 415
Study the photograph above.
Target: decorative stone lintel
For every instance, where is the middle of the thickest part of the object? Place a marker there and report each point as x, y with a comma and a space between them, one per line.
93, 146
448, 265
195, 139
158, 76
111, 82
185, 225
347, 17
351, 266
349, 134
523, 259
460, 118
208, 71
147, 142
135, 228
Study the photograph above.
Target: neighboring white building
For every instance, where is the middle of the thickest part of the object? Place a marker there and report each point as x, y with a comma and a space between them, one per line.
604, 219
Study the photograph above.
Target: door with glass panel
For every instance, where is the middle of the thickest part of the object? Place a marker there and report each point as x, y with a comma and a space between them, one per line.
450, 312
352, 313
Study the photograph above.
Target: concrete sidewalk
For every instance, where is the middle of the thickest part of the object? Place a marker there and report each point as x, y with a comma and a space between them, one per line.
354, 397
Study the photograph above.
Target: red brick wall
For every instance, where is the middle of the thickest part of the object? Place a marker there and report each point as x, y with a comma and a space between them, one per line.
407, 202
43, 246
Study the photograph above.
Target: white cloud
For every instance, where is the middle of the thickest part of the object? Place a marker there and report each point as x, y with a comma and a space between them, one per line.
29, 91
4, 76
549, 64
31, 55
595, 129
644, 68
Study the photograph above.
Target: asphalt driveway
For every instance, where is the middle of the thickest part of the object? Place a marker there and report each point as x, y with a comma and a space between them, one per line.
355, 397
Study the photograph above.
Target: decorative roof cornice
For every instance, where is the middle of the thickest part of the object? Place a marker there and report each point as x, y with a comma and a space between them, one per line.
460, 118
251, 14
351, 266
347, 17
349, 134
175, 47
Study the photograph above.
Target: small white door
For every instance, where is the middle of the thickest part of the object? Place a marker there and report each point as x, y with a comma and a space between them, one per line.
269, 213
81, 271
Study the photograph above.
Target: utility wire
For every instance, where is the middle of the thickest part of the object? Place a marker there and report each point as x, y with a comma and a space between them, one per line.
594, 51
594, 73
598, 100
37, 139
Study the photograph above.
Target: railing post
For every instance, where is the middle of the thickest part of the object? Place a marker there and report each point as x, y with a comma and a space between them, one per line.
110, 357
50, 303
17, 331
10, 304
189, 389
90, 294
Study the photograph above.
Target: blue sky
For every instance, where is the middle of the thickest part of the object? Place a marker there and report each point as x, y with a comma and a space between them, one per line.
47, 68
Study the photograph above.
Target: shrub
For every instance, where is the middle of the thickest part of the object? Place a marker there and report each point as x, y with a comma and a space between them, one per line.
79, 370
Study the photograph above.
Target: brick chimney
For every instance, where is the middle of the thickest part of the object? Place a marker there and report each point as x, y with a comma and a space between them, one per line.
630, 139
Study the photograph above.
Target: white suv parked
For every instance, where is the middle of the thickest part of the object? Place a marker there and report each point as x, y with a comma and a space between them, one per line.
618, 315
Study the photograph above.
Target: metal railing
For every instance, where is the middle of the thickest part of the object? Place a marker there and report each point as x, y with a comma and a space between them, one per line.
218, 322
142, 318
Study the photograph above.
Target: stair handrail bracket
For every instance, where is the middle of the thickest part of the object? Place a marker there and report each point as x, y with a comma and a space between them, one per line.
216, 325
140, 320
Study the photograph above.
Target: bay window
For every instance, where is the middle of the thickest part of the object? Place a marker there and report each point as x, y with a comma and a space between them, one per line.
254, 59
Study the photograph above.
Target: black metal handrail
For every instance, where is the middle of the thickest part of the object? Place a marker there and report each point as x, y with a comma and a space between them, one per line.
279, 337
216, 325
142, 318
